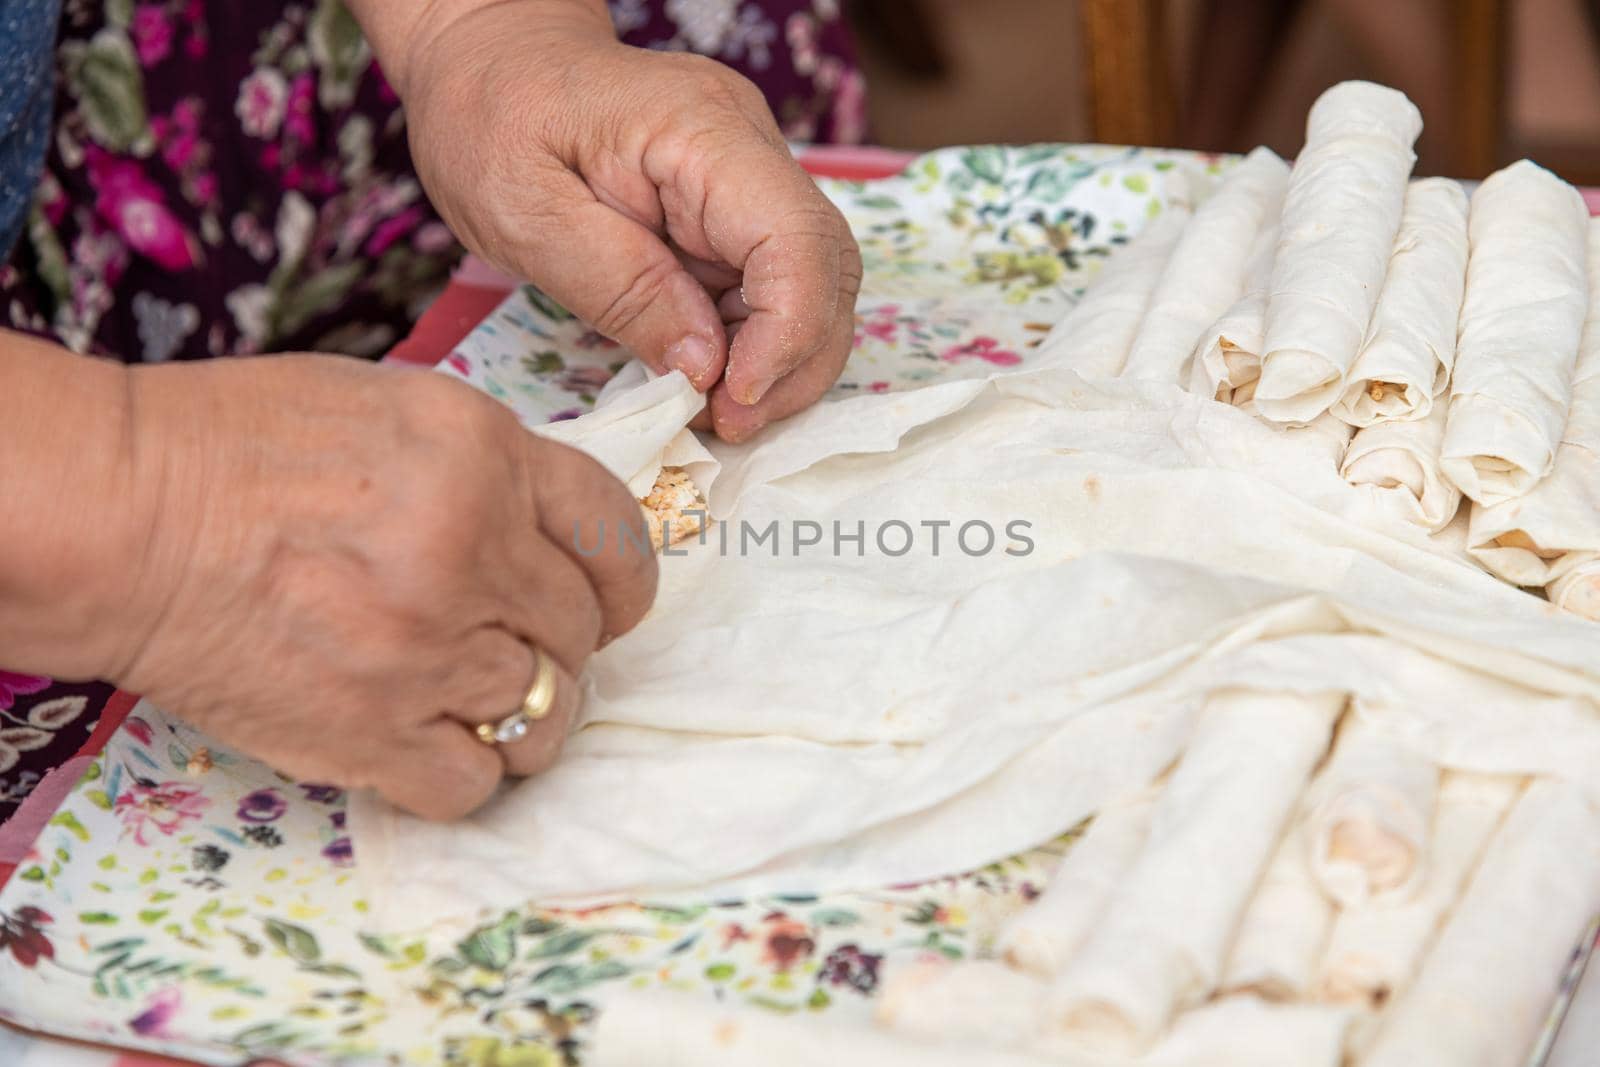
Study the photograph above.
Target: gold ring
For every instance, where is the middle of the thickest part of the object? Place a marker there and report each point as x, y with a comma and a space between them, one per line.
535, 706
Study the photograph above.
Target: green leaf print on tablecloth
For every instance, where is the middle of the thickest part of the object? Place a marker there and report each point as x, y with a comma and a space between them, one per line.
160, 916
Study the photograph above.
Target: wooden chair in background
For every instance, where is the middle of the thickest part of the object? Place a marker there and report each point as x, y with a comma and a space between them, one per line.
1482, 46
1127, 72
1128, 80
1128, 68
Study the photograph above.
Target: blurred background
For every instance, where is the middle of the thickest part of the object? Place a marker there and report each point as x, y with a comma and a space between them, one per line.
1495, 79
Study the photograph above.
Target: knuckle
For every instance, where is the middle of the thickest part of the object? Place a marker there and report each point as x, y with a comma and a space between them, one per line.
587, 624
742, 93
638, 292
451, 408
710, 81
851, 270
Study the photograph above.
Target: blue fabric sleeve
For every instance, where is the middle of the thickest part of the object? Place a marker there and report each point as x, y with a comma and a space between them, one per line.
27, 63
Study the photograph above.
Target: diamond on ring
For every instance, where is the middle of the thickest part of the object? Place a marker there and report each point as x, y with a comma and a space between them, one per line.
535, 706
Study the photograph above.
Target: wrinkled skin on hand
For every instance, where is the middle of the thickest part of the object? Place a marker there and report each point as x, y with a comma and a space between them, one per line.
649, 192
347, 566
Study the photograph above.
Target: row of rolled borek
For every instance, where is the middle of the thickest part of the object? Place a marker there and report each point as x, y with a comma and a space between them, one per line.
1454, 346
1268, 903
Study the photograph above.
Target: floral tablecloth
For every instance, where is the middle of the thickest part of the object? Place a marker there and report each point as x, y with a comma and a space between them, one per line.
187, 900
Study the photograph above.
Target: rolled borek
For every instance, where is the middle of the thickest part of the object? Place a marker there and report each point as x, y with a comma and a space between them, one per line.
1228, 356
1521, 322
1398, 463
1161, 942
1280, 940
979, 1001
1330, 432
1486, 987
1373, 952
674, 1030
1094, 337
1042, 937
1207, 272
1340, 217
981, 1004
1540, 538
1371, 809
1578, 589
1410, 345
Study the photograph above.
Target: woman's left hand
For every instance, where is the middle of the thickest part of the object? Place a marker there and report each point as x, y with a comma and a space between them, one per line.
651, 193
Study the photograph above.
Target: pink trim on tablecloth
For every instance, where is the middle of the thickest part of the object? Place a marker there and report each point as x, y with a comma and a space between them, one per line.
455, 313
1592, 198
474, 271
19, 832
853, 162
23, 828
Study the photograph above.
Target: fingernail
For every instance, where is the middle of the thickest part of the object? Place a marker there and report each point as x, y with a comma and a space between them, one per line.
693, 356
756, 390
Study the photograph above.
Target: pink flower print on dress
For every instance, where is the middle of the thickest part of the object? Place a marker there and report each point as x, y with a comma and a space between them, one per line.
299, 109
432, 238
705, 24
386, 91
194, 17
179, 150
152, 34
984, 348
850, 108
14, 685
52, 199
391, 230
179, 135
801, 33
133, 206
829, 70
165, 808
260, 105
205, 189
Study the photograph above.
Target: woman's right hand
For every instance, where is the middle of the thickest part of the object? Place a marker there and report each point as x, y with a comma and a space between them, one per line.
345, 567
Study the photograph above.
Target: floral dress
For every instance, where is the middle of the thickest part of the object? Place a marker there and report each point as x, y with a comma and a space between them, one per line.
232, 177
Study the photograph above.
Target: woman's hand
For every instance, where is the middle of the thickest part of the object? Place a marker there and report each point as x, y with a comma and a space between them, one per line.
343, 567
650, 193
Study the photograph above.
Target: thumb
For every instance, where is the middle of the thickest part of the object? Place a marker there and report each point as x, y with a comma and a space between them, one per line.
621, 278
